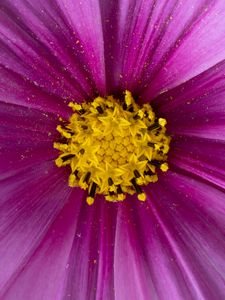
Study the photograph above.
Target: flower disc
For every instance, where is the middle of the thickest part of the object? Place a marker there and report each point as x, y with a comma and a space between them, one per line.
113, 147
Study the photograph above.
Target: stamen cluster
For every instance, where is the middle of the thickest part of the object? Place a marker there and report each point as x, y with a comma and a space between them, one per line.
113, 147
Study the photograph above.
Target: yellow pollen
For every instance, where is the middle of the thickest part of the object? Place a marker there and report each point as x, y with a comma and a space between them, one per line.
113, 147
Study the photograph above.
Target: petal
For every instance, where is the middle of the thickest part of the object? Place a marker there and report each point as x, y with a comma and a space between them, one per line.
196, 46
26, 138
30, 201
152, 46
153, 269
43, 274
196, 108
174, 242
182, 229
202, 157
132, 275
105, 281
90, 271
51, 46
16, 90
85, 19
203, 225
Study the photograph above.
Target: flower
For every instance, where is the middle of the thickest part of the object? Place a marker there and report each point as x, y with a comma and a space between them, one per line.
52, 244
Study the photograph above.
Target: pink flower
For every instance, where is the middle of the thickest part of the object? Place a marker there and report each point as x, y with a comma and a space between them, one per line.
52, 244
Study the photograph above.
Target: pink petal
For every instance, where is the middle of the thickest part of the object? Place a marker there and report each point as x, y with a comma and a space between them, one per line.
132, 274
172, 247
152, 46
202, 157
55, 49
90, 271
182, 233
16, 90
30, 132
42, 276
192, 41
30, 201
196, 108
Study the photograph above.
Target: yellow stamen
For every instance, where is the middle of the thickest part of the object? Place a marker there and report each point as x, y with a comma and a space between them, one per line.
113, 147
90, 200
142, 197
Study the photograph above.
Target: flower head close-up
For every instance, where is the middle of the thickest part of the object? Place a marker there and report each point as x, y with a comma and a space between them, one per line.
112, 148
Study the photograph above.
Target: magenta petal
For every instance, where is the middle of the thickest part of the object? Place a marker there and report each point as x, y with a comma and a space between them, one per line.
57, 47
132, 274
199, 157
105, 283
183, 238
90, 266
172, 247
29, 204
160, 44
196, 108
43, 274
26, 138
84, 18
190, 40
14, 89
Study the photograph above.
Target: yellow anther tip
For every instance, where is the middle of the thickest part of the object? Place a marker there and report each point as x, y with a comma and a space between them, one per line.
162, 122
164, 167
128, 97
90, 200
121, 197
140, 113
142, 197
58, 162
71, 182
77, 106
55, 145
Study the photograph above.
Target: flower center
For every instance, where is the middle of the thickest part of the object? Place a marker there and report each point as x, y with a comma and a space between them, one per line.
113, 147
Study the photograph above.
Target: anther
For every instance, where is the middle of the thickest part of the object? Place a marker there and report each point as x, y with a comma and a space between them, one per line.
99, 109
87, 177
150, 144
156, 163
131, 109
141, 195
81, 151
142, 157
137, 174
93, 190
149, 173
81, 111
121, 195
136, 186
119, 189
154, 126
124, 106
67, 157
110, 181
76, 173
136, 117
